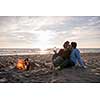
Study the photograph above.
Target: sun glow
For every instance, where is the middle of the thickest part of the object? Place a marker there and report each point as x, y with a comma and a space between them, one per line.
43, 39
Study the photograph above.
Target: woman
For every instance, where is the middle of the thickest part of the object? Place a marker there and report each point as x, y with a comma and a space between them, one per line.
62, 58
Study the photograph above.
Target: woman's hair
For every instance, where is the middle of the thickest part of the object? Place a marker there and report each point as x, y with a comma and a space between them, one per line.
66, 43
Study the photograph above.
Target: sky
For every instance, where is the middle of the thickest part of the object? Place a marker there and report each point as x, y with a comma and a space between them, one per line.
49, 31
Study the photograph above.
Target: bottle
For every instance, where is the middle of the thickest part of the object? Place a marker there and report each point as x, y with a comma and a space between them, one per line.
55, 50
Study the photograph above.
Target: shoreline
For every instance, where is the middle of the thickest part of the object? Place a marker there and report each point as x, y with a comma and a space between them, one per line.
41, 54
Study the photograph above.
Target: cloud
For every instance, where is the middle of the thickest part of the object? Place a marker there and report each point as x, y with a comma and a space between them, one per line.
48, 30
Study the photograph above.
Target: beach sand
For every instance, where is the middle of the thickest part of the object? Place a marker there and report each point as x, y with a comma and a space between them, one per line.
42, 70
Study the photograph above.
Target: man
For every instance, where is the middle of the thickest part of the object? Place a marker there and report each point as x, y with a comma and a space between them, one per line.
75, 56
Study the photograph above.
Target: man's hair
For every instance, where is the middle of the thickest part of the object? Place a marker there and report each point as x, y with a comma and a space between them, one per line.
64, 45
74, 44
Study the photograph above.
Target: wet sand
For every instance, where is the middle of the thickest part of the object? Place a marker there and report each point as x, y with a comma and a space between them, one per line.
43, 70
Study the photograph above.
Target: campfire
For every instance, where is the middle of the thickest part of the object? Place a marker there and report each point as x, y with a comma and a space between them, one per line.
23, 64
20, 64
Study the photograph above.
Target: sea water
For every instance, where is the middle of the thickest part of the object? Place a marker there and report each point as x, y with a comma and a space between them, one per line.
8, 51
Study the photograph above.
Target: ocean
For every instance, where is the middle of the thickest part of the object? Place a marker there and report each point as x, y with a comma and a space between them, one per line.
14, 51
89, 50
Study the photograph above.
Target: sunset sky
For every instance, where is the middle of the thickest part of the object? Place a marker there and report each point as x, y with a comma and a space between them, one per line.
49, 31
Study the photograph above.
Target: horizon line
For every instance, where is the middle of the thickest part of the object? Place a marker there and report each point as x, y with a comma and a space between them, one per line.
44, 48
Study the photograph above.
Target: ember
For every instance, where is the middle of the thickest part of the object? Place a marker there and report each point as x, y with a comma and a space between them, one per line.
20, 64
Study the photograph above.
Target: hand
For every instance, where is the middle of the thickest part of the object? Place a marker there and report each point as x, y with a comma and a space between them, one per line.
54, 51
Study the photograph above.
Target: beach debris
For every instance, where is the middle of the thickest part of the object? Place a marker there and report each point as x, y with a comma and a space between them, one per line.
42, 70
97, 73
3, 80
11, 67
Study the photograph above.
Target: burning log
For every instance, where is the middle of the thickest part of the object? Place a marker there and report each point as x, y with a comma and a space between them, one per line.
20, 64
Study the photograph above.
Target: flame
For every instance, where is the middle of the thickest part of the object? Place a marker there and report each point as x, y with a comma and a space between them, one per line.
20, 64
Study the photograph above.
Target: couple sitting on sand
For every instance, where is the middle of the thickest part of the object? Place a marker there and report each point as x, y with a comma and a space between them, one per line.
67, 57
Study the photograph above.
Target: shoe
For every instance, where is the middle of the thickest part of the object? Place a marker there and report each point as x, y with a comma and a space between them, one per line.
84, 67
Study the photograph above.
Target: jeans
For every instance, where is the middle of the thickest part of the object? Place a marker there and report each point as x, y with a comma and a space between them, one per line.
59, 61
66, 63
